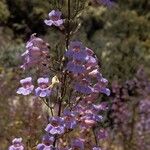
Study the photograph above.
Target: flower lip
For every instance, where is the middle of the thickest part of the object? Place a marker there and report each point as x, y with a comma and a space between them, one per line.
43, 80
17, 140
75, 68
55, 13
26, 80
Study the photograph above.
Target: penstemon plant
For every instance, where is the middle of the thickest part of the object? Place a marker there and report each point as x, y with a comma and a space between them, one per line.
69, 84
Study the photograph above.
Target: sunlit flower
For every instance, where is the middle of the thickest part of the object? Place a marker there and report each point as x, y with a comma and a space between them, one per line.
69, 119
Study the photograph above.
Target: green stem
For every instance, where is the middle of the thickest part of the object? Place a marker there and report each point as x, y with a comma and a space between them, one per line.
68, 24
96, 142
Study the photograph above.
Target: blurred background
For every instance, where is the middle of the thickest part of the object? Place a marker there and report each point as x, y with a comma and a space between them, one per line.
120, 37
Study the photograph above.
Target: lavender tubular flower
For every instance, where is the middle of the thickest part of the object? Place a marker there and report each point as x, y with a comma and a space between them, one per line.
56, 126
16, 144
69, 119
43, 90
100, 107
44, 147
81, 56
47, 143
85, 89
77, 144
101, 89
54, 18
75, 68
36, 52
27, 86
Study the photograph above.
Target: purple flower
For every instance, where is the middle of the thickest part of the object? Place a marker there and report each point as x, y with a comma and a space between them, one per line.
78, 144
47, 139
42, 146
105, 91
99, 88
81, 56
16, 144
56, 126
74, 46
69, 53
69, 119
100, 107
47, 142
104, 81
36, 52
27, 86
95, 117
77, 52
93, 73
54, 18
43, 90
91, 62
36, 42
83, 87
75, 68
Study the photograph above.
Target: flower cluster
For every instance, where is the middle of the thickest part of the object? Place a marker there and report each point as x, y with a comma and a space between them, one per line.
84, 113
130, 113
36, 52
83, 65
75, 106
